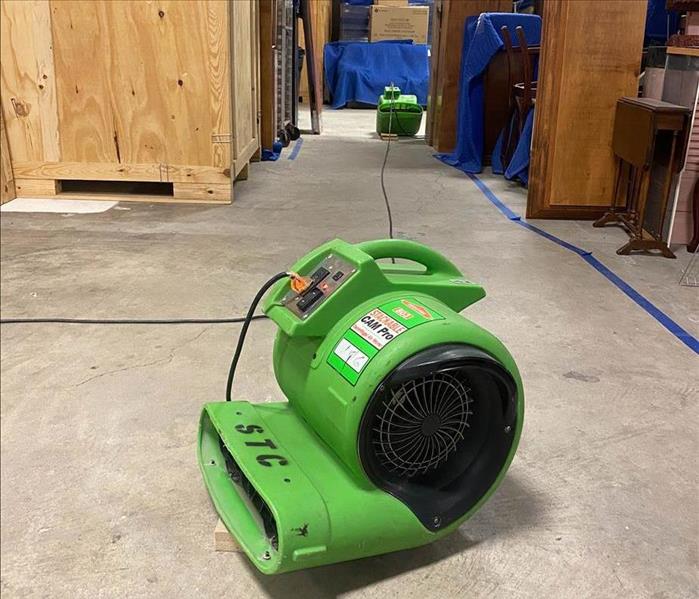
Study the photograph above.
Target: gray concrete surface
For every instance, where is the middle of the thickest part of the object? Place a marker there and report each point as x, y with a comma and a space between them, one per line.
101, 493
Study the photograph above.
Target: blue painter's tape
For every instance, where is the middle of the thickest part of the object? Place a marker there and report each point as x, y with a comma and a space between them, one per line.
494, 199
569, 246
296, 149
682, 335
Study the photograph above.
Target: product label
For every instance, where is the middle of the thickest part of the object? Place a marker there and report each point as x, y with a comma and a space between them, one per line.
373, 331
378, 328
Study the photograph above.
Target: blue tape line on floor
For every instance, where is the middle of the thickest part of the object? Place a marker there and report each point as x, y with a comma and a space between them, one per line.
684, 336
296, 149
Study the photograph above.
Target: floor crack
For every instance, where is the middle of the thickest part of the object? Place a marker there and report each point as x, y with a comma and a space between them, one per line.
165, 360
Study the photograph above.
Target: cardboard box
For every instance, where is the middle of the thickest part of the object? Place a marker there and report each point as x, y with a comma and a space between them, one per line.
399, 23
391, 2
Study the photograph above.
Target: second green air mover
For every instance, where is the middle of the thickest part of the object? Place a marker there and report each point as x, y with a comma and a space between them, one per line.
402, 416
397, 114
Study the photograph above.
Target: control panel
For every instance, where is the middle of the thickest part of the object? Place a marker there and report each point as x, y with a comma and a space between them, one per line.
325, 280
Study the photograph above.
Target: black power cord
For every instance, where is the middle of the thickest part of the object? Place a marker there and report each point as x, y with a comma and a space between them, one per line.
235, 320
385, 160
111, 321
250, 316
383, 171
244, 330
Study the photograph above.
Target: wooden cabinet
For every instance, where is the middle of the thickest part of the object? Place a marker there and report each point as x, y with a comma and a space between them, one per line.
105, 96
590, 57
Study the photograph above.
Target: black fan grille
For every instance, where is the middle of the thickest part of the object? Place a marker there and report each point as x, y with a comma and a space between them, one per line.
420, 424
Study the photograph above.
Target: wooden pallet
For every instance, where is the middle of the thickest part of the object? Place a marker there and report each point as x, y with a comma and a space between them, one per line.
387, 136
128, 191
223, 540
128, 182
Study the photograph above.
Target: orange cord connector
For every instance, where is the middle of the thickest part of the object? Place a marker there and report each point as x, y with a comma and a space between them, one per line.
298, 283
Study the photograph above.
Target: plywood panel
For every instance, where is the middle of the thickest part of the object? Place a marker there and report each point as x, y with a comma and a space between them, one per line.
134, 88
208, 192
591, 53
85, 109
110, 171
446, 66
122, 90
7, 184
36, 188
27, 83
183, 193
243, 23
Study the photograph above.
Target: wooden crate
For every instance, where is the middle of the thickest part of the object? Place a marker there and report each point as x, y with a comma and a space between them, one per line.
128, 99
7, 184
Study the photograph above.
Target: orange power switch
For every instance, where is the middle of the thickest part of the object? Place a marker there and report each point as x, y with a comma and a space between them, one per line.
298, 283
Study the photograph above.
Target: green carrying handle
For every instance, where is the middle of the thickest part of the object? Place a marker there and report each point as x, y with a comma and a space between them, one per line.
434, 263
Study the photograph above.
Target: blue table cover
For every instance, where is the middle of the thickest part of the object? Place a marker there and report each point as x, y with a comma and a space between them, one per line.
359, 71
481, 42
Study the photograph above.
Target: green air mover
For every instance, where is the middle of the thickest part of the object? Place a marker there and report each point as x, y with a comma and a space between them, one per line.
402, 417
397, 113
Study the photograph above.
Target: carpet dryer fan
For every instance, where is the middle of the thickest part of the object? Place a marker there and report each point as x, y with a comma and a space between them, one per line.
402, 417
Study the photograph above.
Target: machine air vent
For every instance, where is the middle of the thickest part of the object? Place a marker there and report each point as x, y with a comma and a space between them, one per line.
421, 423
438, 430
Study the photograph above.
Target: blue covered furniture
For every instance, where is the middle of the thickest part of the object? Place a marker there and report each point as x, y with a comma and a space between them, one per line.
359, 71
482, 40
518, 168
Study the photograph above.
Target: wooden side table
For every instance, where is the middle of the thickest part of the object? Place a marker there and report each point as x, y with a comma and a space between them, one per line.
648, 142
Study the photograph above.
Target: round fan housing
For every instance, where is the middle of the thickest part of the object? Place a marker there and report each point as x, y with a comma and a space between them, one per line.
437, 431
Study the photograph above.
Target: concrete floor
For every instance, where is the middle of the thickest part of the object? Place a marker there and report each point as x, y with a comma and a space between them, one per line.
101, 492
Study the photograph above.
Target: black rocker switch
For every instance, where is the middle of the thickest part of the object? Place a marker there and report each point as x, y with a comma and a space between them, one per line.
309, 298
319, 275
338, 275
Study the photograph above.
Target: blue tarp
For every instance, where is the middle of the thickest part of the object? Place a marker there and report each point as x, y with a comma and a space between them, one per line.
272, 154
481, 42
359, 71
370, 2
518, 169
660, 23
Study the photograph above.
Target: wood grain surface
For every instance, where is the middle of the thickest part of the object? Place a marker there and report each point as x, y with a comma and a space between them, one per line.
590, 57
27, 80
130, 90
7, 183
447, 49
